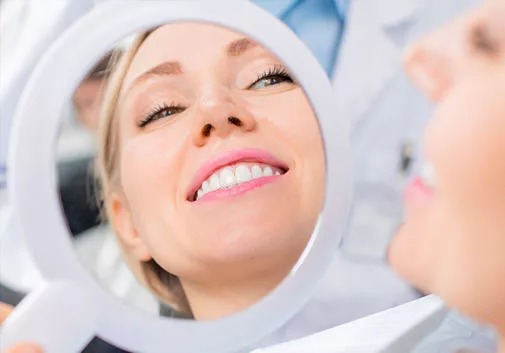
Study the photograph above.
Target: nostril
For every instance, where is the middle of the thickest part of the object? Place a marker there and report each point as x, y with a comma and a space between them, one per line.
235, 121
206, 130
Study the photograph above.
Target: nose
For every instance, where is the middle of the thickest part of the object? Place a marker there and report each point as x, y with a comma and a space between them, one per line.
428, 64
220, 115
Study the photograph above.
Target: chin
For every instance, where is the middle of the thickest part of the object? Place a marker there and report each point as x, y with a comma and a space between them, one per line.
237, 243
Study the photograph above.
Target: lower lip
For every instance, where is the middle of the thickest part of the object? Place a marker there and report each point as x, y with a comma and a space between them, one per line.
417, 193
238, 190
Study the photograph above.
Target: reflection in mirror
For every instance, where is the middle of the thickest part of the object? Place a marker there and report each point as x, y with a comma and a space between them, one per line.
210, 171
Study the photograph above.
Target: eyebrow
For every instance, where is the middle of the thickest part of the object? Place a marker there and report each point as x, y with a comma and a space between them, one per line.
235, 48
240, 46
163, 69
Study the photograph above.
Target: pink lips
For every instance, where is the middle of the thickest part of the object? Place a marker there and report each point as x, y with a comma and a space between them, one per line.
251, 155
417, 193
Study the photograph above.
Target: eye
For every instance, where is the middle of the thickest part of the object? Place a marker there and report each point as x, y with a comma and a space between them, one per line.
274, 76
160, 112
481, 40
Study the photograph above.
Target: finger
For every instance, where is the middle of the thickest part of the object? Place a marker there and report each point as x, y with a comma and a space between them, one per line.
25, 348
5, 310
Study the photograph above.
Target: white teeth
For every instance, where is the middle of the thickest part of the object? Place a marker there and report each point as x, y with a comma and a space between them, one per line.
243, 174
231, 176
214, 183
256, 171
428, 175
227, 178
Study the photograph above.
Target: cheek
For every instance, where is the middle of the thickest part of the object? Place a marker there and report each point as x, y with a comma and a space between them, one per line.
290, 113
466, 143
291, 117
299, 122
149, 178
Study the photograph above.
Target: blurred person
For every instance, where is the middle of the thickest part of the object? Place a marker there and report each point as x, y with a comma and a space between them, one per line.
76, 175
88, 97
453, 240
387, 116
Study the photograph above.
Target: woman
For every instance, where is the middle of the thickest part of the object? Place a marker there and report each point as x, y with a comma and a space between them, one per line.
453, 240
211, 167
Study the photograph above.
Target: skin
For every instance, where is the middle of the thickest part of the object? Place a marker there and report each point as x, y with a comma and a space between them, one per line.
453, 244
227, 253
87, 101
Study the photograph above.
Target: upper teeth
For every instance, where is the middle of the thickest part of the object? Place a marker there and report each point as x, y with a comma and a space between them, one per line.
235, 175
428, 175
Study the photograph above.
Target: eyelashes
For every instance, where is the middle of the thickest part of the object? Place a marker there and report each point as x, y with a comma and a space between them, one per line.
275, 75
160, 112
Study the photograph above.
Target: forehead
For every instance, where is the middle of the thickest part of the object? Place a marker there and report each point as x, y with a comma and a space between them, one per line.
182, 42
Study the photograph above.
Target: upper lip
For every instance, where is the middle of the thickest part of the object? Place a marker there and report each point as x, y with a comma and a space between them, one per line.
229, 158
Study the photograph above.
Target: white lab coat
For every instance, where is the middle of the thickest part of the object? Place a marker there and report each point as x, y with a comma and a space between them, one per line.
372, 91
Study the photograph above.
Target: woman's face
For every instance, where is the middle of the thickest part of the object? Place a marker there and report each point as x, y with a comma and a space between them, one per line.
453, 241
222, 164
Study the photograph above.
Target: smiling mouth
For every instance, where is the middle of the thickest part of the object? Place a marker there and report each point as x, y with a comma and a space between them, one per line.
242, 176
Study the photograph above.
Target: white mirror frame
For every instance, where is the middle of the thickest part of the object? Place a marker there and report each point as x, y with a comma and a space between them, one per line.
33, 182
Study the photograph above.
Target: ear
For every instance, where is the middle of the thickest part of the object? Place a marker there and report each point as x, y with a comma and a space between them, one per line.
124, 226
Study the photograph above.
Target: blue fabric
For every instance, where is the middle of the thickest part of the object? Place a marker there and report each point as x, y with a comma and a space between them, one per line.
319, 24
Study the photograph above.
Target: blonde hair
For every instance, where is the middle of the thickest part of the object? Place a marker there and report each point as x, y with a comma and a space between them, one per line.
164, 284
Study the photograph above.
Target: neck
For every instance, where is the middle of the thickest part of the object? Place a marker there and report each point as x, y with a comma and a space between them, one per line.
215, 300
501, 348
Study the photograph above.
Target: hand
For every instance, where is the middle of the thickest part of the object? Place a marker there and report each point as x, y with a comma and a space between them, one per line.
5, 310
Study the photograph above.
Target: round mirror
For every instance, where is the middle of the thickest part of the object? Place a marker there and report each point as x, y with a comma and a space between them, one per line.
208, 169
181, 170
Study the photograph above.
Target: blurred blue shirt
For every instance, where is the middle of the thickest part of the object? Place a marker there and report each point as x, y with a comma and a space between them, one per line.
319, 24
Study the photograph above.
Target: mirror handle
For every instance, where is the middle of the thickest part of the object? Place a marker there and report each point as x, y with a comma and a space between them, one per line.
61, 317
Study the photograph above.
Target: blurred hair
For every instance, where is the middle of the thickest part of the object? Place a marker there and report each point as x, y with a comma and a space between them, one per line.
104, 68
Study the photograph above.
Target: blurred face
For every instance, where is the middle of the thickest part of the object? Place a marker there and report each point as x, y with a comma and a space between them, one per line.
222, 166
453, 241
87, 101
